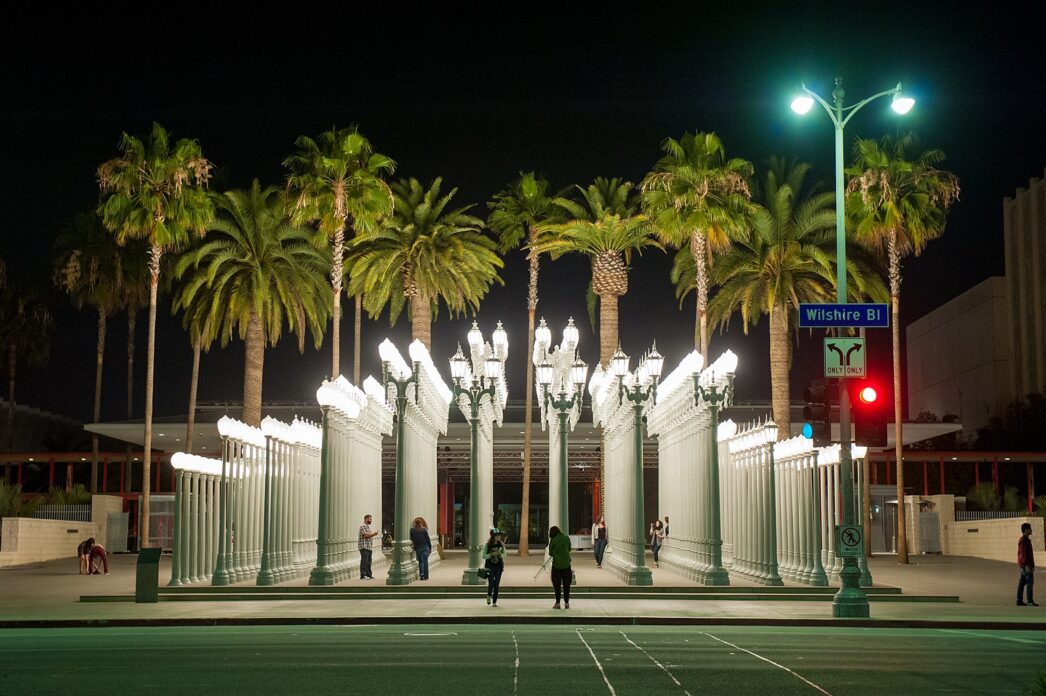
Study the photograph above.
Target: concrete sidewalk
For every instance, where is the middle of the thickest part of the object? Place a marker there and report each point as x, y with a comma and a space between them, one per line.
50, 592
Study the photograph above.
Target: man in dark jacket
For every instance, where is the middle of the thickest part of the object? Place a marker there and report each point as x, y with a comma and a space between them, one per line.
1026, 562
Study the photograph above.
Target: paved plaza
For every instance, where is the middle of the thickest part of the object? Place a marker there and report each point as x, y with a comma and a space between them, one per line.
52, 592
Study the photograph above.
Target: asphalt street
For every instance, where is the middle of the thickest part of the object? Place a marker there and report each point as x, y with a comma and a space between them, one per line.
507, 659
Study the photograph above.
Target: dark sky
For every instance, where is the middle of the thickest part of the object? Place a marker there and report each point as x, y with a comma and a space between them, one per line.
476, 96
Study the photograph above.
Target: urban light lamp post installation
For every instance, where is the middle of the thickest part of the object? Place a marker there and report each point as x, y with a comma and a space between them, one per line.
476, 386
401, 572
715, 396
850, 601
643, 388
561, 367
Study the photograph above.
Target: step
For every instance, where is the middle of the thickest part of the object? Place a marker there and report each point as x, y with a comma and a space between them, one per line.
416, 588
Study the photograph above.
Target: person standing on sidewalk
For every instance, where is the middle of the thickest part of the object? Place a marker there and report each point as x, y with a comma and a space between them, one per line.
494, 562
419, 539
1026, 563
559, 552
366, 545
657, 537
599, 545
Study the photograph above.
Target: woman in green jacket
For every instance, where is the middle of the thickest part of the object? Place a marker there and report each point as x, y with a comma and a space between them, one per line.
559, 552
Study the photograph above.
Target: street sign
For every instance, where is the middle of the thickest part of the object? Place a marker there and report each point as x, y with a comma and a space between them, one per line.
849, 541
844, 357
871, 316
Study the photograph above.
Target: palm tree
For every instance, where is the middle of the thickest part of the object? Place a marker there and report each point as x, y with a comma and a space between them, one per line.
25, 334
788, 258
424, 253
88, 269
607, 227
515, 216
335, 181
155, 192
699, 199
134, 297
253, 273
197, 322
898, 202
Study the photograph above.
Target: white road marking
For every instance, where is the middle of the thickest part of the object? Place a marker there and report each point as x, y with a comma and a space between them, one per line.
767, 660
609, 685
663, 668
991, 635
515, 674
431, 634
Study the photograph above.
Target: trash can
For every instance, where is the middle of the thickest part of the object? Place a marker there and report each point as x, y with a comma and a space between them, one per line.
147, 580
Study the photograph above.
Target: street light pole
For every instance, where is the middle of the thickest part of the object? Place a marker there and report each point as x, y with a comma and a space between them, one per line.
644, 388
850, 601
400, 573
714, 397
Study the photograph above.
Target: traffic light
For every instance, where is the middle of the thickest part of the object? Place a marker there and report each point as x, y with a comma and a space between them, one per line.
818, 412
869, 411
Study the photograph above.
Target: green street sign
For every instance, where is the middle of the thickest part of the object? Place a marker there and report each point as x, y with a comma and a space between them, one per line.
849, 541
844, 357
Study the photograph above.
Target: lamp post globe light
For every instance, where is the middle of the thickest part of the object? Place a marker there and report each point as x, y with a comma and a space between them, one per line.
402, 571
642, 389
564, 370
715, 396
475, 383
850, 601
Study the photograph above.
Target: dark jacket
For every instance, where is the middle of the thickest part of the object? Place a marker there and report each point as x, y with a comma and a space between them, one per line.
419, 539
1025, 553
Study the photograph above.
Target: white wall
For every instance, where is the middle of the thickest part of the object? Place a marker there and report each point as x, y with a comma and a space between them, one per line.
992, 539
26, 540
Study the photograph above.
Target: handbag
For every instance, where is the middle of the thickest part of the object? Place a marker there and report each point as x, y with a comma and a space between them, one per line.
482, 573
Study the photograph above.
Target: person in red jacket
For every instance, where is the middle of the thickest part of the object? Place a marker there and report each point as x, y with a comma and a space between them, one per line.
1026, 562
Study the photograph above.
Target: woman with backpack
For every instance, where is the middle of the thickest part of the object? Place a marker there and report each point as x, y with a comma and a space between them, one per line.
494, 563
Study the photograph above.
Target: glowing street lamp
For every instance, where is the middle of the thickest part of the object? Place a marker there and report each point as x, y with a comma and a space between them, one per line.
850, 601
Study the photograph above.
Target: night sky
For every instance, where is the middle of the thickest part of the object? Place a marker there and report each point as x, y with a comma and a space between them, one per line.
476, 96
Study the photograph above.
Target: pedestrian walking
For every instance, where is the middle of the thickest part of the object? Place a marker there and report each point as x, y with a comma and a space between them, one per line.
657, 537
96, 555
494, 562
1026, 563
82, 553
559, 552
365, 541
599, 540
419, 539
666, 526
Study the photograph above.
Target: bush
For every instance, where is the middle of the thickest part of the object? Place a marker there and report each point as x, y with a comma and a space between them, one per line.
12, 504
1011, 500
983, 497
1040, 505
77, 495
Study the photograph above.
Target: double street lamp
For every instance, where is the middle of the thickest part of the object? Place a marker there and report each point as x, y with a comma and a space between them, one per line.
557, 369
715, 396
474, 384
642, 389
850, 601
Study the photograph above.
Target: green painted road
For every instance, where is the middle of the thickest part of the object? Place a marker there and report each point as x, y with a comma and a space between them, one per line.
496, 660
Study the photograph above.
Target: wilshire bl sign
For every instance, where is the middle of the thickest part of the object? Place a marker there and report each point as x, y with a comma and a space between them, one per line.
871, 316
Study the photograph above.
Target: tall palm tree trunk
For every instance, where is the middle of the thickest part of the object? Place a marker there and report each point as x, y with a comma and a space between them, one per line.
132, 319
254, 354
608, 337
155, 254
12, 354
528, 427
780, 363
357, 333
98, 363
190, 424
698, 246
421, 320
337, 261
895, 311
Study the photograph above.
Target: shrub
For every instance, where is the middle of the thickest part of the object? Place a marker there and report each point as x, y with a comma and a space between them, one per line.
984, 497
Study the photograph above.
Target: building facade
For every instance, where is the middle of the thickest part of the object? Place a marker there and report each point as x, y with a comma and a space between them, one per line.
1024, 228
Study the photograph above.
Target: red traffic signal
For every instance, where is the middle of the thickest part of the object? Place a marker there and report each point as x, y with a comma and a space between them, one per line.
868, 395
869, 413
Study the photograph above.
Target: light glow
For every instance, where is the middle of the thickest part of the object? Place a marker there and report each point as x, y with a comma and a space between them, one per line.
802, 104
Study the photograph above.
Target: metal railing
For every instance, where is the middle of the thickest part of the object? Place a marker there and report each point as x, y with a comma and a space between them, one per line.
973, 515
68, 513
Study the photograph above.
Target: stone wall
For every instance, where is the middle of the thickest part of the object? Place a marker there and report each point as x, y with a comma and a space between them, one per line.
26, 540
992, 539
